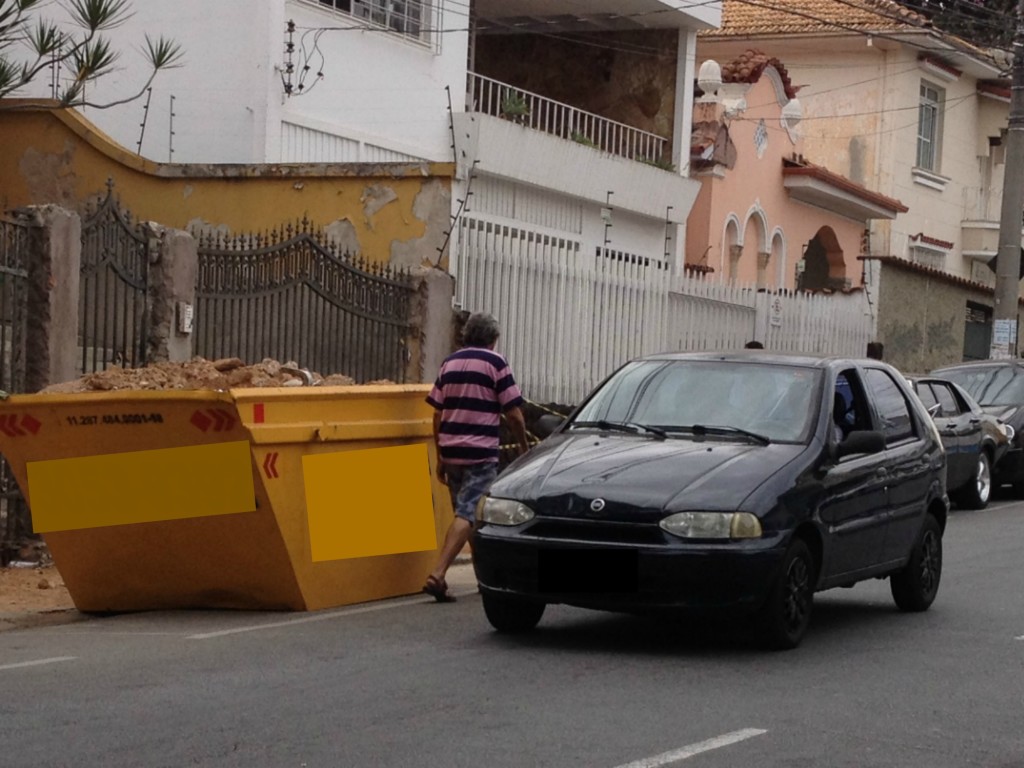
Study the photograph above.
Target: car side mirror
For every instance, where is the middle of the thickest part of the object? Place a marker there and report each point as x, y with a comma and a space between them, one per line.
861, 441
933, 410
547, 424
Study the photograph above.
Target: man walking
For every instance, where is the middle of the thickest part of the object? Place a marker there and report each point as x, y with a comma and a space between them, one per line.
474, 388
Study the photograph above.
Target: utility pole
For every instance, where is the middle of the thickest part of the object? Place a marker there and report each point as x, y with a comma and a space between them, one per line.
1004, 333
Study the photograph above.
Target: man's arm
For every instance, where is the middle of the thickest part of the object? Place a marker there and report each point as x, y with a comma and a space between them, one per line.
517, 424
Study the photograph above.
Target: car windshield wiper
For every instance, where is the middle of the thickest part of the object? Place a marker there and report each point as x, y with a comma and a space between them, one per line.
621, 426
713, 429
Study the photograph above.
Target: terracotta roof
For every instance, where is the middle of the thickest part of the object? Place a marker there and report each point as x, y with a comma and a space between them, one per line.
777, 17
798, 166
938, 274
998, 88
940, 64
921, 237
750, 65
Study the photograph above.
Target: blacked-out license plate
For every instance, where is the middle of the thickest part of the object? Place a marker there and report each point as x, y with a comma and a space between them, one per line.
594, 571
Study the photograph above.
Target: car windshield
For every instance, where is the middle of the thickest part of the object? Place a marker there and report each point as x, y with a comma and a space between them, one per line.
776, 402
990, 384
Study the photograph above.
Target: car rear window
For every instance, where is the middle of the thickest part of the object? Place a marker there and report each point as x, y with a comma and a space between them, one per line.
989, 384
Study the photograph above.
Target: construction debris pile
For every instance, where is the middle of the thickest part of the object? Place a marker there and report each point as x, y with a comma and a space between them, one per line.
199, 373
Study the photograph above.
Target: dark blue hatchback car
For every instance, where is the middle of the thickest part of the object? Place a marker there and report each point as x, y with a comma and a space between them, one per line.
743, 481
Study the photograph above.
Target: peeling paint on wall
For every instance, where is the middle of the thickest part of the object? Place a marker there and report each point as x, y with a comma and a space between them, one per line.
50, 177
432, 206
374, 198
344, 234
59, 157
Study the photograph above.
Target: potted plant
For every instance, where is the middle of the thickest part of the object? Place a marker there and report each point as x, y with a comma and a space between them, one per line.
514, 106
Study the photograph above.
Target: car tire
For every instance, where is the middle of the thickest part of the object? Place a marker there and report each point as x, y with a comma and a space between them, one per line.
510, 614
915, 587
786, 614
978, 490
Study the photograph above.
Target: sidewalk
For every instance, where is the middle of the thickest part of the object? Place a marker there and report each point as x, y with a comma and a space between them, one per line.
24, 605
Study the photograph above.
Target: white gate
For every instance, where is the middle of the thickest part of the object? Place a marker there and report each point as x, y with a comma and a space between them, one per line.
571, 316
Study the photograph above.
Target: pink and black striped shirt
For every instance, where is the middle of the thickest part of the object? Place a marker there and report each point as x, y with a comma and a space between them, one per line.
473, 388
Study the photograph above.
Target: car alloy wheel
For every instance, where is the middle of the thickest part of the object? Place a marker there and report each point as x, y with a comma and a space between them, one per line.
798, 594
976, 493
931, 561
786, 613
915, 587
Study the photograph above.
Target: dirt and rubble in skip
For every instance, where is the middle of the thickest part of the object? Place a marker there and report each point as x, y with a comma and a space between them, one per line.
199, 373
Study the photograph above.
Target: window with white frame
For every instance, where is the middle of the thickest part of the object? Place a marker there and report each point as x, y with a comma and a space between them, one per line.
929, 126
407, 17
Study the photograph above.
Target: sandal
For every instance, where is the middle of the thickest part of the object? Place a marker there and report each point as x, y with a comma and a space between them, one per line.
438, 590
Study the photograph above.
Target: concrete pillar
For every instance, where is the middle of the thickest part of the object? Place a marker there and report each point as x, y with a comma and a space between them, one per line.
173, 272
735, 252
432, 322
54, 269
762, 269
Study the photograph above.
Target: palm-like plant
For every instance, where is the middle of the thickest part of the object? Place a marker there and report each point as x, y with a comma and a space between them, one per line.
85, 55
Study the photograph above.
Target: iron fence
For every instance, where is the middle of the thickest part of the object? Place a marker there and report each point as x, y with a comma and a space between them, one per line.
292, 295
113, 314
14, 256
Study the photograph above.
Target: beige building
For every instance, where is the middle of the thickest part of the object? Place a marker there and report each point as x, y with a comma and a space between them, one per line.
903, 110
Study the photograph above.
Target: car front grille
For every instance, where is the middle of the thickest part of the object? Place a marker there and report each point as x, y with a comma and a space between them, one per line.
595, 532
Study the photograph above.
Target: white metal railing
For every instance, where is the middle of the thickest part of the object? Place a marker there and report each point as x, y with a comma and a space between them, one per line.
492, 97
571, 316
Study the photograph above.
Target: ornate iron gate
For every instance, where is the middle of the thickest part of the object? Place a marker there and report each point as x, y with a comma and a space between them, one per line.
14, 255
292, 296
114, 288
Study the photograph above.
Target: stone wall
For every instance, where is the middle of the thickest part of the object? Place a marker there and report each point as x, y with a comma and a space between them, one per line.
922, 317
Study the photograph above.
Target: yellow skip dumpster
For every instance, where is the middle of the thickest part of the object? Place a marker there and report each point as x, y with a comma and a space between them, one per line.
287, 498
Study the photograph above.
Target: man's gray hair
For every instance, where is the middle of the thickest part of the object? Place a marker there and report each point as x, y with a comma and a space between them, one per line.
481, 330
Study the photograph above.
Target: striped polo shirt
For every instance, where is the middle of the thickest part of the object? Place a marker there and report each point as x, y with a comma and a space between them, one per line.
475, 385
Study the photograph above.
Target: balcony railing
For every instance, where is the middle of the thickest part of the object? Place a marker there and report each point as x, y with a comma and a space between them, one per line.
498, 99
981, 204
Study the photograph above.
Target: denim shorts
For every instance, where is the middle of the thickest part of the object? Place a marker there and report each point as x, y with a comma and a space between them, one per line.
467, 483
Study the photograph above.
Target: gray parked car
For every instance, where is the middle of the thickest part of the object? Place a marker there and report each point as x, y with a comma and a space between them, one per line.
975, 441
998, 387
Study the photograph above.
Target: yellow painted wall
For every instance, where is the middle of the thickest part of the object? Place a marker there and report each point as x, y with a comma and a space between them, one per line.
392, 213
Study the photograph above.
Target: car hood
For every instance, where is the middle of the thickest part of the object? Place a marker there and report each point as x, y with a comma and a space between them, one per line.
636, 475
1002, 412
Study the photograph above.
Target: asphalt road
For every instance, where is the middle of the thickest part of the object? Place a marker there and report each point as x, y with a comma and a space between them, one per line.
411, 683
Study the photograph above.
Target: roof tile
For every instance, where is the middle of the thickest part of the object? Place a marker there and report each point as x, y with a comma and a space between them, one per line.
763, 17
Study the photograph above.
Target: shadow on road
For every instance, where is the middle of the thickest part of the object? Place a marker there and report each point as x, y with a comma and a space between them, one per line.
833, 623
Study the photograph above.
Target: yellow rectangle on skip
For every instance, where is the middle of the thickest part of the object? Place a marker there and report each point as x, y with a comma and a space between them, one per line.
141, 487
365, 503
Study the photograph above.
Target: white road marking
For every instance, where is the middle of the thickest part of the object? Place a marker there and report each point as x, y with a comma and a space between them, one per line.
38, 662
326, 616
677, 755
1019, 638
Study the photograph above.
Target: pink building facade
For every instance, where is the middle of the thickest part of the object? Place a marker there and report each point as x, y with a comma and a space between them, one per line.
765, 215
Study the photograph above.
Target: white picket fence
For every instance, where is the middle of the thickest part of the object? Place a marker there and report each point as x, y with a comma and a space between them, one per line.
569, 318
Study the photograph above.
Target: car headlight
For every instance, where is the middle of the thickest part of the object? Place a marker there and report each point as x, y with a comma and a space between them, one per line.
712, 525
1007, 430
502, 512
